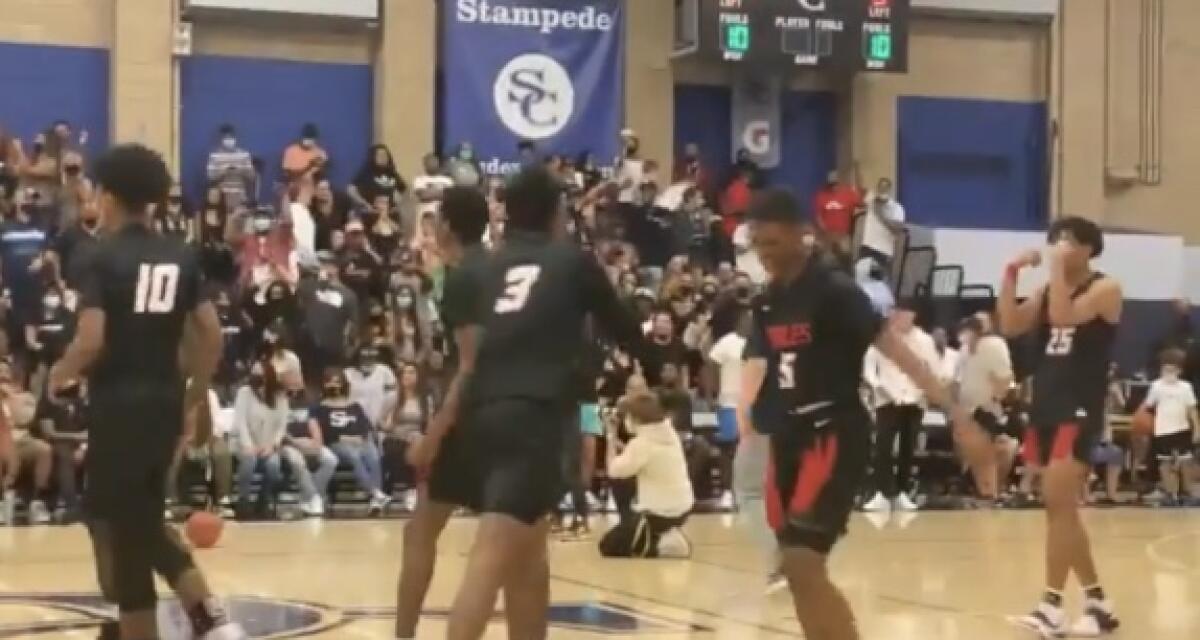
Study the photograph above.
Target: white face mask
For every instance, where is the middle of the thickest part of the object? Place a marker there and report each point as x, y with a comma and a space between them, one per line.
229, 143
52, 302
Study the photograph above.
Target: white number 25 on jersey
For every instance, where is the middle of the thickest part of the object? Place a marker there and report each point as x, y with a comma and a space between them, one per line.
156, 287
518, 282
1060, 341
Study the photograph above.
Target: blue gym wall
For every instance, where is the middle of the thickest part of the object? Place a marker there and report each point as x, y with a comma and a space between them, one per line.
703, 115
40, 84
268, 101
973, 163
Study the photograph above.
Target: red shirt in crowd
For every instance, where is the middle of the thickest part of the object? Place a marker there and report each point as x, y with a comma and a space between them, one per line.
734, 203
834, 207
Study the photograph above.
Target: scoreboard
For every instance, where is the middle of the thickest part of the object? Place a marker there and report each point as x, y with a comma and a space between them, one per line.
846, 35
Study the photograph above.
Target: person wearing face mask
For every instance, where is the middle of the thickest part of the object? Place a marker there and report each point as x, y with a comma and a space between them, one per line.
361, 268
372, 385
383, 227
664, 347
22, 256
304, 444
235, 341
174, 218
260, 415
330, 311
74, 244
463, 167
272, 304
329, 211
303, 161
77, 190
348, 431
883, 224
231, 168
49, 334
284, 361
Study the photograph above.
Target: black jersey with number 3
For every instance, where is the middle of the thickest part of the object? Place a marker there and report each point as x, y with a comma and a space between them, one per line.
813, 333
1071, 379
538, 292
146, 284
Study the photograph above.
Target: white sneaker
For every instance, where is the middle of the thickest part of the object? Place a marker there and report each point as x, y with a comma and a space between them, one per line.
593, 502
904, 503
379, 503
878, 503
566, 503
227, 631
611, 505
38, 513
726, 501
673, 544
8, 508
314, 507
410, 500
1047, 621
776, 582
226, 508
1097, 620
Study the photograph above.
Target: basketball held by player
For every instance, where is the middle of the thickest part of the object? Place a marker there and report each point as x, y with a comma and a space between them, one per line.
1074, 317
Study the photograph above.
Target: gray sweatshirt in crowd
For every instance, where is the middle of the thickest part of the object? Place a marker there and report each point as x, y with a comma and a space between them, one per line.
256, 423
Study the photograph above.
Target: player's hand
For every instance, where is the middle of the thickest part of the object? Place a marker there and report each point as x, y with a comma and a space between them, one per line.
57, 380
1029, 258
422, 453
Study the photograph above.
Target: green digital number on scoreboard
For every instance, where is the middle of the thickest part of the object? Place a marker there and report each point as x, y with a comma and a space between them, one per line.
880, 47
736, 38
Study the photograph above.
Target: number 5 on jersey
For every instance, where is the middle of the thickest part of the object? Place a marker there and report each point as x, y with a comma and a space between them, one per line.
787, 371
518, 282
156, 287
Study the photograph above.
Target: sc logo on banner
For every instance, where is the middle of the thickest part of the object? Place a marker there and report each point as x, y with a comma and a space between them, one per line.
534, 96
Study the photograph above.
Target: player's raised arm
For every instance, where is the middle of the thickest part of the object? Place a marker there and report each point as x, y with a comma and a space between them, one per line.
1017, 318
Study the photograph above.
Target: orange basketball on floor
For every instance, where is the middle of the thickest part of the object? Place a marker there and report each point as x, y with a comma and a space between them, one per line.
203, 529
1142, 421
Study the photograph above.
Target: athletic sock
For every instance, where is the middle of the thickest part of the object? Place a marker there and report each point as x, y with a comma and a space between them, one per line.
1094, 592
1053, 597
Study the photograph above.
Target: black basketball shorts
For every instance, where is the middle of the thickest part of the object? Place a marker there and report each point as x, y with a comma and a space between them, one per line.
454, 478
1174, 446
518, 445
131, 442
813, 478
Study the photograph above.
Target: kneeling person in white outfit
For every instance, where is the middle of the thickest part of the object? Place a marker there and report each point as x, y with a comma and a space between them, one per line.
654, 456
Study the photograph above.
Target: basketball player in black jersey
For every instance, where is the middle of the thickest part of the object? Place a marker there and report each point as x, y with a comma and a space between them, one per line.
439, 457
141, 295
1075, 317
537, 290
800, 385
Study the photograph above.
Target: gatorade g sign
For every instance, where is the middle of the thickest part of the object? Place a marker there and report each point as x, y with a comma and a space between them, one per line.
548, 71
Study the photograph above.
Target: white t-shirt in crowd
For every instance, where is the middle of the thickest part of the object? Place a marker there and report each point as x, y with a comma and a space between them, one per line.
631, 171
979, 369
747, 260
948, 370
421, 183
727, 353
304, 230
875, 234
1171, 400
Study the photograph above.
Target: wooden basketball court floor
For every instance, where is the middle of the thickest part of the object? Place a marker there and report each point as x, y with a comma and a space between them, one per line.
940, 576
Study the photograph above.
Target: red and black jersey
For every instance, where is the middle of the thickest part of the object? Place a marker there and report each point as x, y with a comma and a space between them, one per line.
813, 333
1070, 380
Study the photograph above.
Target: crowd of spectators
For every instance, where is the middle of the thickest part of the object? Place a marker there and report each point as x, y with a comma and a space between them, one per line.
335, 352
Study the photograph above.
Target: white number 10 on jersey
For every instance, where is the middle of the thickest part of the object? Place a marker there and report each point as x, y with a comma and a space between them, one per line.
156, 287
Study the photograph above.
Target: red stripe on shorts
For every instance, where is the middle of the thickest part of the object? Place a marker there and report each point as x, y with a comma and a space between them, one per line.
816, 468
773, 500
1064, 441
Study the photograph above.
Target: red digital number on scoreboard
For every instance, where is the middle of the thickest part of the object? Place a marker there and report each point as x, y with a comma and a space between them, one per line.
880, 4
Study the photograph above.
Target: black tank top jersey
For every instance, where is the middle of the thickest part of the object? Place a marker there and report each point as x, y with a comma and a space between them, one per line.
813, 334
146, 284
537, 292
1071, 378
